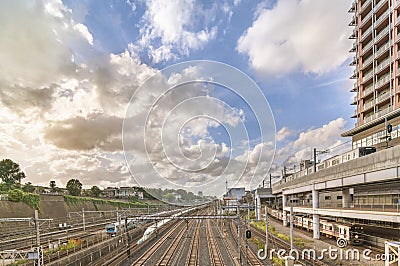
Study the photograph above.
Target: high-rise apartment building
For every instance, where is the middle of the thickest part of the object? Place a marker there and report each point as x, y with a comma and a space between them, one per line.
376, 59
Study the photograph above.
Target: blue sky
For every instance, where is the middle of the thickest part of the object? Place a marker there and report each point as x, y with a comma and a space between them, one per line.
72, 67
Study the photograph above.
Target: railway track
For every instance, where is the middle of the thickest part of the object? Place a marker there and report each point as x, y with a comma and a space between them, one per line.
193, 255
20, 243
147, 256
279, 243
250, 255
215, 253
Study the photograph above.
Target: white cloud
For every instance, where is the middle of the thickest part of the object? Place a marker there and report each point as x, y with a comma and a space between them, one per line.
323, 138
38, 43
283, 134
307, 36
170, 29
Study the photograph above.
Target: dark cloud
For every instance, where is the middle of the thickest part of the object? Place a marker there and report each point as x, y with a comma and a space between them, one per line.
20, 99
79, 133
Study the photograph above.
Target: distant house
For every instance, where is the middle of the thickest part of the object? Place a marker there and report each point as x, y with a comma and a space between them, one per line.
125, 192
177, 195
139, 195
109, 192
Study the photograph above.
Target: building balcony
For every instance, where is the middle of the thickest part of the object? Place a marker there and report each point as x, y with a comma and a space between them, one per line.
382, 50
368, 90
369, 118
367, 77
382, 65
355, 87
355, 74
365, 5
364, 35
379, 5
382, 34
355, 100
356, 113
382, 18
382, 81
353, 7
367, 47
384, 111
367, 18
382, 98
353, 48
354, 61
353, 21
353, 35
369, 105
367, 62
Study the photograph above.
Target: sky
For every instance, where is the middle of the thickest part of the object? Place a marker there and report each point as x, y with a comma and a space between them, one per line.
77, 76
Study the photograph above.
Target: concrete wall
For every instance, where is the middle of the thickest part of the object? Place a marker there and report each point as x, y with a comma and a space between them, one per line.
51, 206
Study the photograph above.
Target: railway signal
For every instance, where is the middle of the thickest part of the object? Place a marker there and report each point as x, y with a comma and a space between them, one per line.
248, 233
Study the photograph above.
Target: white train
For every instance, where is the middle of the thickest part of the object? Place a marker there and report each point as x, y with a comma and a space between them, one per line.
335, 160
150, 230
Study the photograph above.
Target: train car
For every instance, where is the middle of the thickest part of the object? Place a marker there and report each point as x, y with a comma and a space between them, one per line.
343, 233
308, 223
351, 233
114, 228
326, 228
298, 221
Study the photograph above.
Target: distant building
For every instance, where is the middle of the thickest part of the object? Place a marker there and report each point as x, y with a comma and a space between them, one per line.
376, 74
109, 192
139, 195
236, 193
200, 193
177, 195
125, 192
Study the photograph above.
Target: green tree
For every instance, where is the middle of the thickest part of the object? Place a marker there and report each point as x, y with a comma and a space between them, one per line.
28, 187
53, 186
95, 190
10, 173
15, 195
74, 187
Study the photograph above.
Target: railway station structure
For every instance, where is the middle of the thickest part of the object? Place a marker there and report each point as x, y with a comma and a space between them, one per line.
365, 188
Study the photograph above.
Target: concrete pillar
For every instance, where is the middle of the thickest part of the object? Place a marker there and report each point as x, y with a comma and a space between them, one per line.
346, 199
284, 214
258, 208
315, 201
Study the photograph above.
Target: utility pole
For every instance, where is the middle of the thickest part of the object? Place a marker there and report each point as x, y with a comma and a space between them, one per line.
315, 160
36, 221
291, 227
83, 219
238, 230
128, 249
315, 157
266, 231
270, 180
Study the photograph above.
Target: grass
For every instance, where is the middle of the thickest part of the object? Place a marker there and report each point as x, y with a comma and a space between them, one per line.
298, 242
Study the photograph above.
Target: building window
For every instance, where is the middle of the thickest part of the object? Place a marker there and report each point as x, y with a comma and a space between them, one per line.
339, 197
327, 197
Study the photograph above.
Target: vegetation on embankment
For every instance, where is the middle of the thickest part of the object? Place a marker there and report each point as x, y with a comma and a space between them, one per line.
120, 204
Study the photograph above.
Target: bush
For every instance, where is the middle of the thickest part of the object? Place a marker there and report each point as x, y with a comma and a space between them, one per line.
15, 195
32, 200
